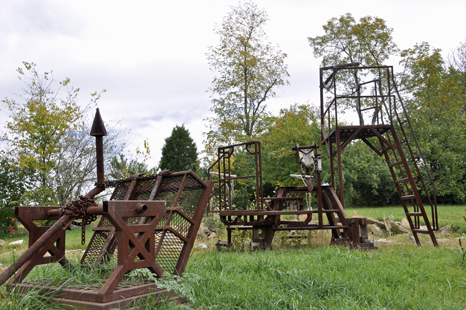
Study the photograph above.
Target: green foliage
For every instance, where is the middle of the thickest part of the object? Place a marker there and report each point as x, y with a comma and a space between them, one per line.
366, 177
121, 167
458, 61
10, 196
249, 69
368, 42
298, 123
179, 152
47, 138
436, 103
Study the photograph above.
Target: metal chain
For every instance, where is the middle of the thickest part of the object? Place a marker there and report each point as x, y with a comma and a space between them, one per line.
78, 209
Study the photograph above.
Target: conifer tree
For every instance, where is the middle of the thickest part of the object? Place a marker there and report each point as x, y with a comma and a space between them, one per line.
179, 152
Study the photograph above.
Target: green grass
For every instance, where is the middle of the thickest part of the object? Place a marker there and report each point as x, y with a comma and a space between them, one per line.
402, 277
447, 214
293, 276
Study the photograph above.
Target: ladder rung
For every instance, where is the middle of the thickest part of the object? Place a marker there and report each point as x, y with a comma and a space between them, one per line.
414, 213
420, 231
403, 122
417, 157
407, 197
395, 164
402, 180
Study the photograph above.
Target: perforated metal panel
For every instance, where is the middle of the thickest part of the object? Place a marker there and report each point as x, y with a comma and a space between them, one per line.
186, 196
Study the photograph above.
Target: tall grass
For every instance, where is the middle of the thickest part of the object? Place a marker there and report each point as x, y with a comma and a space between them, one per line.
328, 278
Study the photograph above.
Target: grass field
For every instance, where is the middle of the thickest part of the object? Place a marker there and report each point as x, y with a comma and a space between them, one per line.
399, 275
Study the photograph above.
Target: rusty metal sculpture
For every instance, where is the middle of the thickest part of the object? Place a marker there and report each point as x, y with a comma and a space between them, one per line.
150, 222
268, 216
378, 95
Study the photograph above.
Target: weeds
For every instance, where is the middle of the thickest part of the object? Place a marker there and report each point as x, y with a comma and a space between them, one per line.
36, 298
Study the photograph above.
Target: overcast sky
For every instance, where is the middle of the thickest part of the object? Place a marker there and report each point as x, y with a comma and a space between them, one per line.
150, 55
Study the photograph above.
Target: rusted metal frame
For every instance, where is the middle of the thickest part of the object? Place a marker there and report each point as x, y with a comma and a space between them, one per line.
333, 102
227, 187
91, 299
382, 139
224, 200
401, 171
106, 252
434, 191
413, 158
415, 191
156, 189
396, 156
330, 216
175, 232
131, 190
259, 189
38, 246
331, 195
354, 66
363, 96
349, 139
137, 235
220, 200
332, 165
338, 142
380, 153
403, 202
408, 188
319, 200
264, 212
180, 191
180, 212
57, 254
340, 169
170, 215
108, 249
238, 178
192, 233
26, 215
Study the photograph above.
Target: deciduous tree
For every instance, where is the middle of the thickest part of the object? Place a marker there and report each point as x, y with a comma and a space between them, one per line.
249, 69
436, 104
345, 41
47, 136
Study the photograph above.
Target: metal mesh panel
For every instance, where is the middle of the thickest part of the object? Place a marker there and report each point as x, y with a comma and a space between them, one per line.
164, 220
144, 188
189, 200
131, 220
169, 252
104, 222
120, 191
169, 190
180, 224
170, 246
95, 246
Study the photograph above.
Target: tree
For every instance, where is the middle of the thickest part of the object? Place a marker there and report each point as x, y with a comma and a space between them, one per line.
458, 61
123, 166
12, 187
436, 104
179, 152
248, 70
47, 137
298, 123
368, 42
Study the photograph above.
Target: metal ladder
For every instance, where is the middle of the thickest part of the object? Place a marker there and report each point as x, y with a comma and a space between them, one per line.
411, 173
